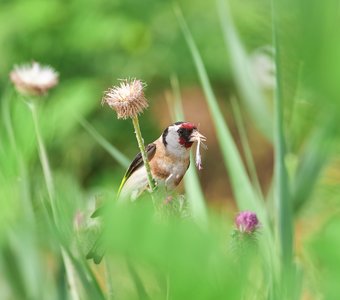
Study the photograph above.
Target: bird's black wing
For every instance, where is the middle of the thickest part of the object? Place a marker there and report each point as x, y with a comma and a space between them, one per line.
97, 250
138, 161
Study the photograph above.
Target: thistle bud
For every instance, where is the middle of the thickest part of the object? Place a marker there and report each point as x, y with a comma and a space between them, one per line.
243, 244
246, 221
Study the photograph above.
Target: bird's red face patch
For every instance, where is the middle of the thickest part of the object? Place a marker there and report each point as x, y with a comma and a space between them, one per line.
184, 132
188, 126
184, 142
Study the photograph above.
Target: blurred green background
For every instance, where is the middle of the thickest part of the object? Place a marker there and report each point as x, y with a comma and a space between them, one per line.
95, 43
92, 44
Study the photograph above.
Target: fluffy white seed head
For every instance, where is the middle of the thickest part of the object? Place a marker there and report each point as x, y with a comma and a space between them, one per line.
127, 99
263, 67
33, 79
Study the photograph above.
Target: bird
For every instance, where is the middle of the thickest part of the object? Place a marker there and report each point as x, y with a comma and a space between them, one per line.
169, 159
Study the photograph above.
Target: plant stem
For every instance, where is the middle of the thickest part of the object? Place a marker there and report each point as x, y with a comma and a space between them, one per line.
44, 160
191, 180
285, 221
143, 152
108, 280
245, 145
167, 287
112, 150
25, 188
71, 278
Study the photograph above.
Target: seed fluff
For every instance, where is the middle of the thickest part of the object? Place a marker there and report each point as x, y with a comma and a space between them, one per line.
127, 99
34, 79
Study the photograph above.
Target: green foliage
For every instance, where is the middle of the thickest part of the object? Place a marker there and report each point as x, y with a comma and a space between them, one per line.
173, 247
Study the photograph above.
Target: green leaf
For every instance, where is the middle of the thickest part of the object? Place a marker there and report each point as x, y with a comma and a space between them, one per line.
113, 151
250, 92
246, 147
191, 181
245, 196
312, 161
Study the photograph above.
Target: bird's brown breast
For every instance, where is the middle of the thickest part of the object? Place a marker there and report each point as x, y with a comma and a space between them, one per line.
163, 165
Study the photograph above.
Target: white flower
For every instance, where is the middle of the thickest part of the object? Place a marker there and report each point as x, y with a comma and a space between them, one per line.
34, 79
127, 100
263, 67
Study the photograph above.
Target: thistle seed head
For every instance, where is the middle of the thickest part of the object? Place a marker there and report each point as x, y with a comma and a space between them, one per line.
127, 99
263, 67
34, 79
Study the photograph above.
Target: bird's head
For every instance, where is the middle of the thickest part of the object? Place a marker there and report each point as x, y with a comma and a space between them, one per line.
180, 136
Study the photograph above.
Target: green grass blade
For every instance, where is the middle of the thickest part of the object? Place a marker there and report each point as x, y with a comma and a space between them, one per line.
113, 151
245, 145
142, 294
24, 182
250, 92
313, 160
191, 180
86, 276
245, 196
281, 187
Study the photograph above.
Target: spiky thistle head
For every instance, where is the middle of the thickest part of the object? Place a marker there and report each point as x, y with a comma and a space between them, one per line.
246, 222
127, 99
244, 243
34, 79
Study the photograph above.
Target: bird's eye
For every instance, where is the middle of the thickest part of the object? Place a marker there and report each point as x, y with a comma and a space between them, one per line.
180, 131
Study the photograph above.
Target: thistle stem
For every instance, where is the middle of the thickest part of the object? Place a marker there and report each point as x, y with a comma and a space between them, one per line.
24, 182
143, 152
70, 272
44, 160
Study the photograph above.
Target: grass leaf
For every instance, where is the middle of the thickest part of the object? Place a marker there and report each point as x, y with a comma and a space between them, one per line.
245, 145
244, 193
113, 151
250, 92
191, 180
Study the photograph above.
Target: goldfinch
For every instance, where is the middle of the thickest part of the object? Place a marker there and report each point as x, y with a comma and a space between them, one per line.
169, 158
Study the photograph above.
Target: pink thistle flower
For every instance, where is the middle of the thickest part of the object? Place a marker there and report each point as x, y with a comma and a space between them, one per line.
247, 221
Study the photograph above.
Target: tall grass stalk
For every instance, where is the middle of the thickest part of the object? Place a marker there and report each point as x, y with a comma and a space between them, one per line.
108, 279
191, 180
282, 189
113, 151
245, 195
245, 146
43, 159
86, 275
250, 92
71, 276
317, 152
24, 182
